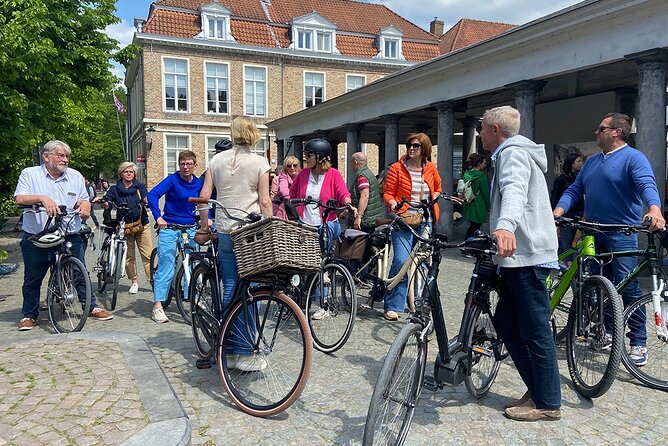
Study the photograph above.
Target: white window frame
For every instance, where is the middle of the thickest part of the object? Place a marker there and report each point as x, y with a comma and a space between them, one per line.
265, 96
324, 83
178, 150
358, 76
206, 89
314, 33
390, 35
390, 48
261, 147
164, 85
218, 15
215, 137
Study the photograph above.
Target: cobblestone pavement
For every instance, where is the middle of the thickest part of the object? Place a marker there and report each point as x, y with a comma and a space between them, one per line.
333, 407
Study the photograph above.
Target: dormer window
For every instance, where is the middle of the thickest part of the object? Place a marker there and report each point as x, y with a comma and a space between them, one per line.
313, 33
389, 44
215, 22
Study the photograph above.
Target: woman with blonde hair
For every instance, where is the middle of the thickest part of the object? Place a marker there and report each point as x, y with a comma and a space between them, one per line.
280, 186
129, 192
241, 179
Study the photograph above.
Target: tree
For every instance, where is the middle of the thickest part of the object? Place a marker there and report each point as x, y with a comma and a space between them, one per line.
54, 72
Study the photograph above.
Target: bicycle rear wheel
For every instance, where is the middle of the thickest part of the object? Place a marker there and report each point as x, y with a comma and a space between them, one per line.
118, 272
397, 389
181, 295
203, 290
484, 349
273, 376
153, 266
68, 295
593, 356
654, 373
331, 306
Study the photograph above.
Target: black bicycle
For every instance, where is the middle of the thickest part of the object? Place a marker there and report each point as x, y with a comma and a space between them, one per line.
262, 320
472, 356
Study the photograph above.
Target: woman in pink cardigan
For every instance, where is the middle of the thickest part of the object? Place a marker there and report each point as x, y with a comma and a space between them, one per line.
280, 186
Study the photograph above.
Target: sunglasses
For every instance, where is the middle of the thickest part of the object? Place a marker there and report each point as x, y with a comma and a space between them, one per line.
603, 128
414, 146
292, 165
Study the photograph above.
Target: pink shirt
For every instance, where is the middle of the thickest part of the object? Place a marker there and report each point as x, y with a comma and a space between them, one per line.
333, 186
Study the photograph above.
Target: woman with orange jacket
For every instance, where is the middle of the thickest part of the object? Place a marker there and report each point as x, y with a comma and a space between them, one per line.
416, 178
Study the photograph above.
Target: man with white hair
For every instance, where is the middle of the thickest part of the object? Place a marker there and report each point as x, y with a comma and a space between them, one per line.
365, 195
521, 221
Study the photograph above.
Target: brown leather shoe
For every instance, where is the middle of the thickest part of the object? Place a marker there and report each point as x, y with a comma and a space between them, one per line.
100, 314
26, 324
525, 401
532, 414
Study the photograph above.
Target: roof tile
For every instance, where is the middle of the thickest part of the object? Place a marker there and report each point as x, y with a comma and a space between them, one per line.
468, 31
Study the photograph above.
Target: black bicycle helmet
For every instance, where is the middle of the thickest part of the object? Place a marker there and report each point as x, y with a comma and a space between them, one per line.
223, 144
318, 146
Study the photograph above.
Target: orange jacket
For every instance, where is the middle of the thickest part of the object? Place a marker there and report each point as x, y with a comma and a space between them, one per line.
398, 184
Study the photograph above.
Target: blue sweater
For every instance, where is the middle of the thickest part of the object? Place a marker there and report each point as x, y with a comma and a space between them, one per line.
614, 188
176, 191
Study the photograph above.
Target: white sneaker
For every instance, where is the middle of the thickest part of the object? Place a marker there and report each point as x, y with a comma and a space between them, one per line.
319, 314
325, 279
159, 315
134, 288
246, 363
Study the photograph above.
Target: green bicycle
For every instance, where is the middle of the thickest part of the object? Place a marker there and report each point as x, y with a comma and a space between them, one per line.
594, 328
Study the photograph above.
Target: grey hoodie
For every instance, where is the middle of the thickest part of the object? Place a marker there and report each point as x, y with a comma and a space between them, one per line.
520, 203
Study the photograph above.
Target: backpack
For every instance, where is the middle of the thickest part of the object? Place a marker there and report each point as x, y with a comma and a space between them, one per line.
465, 191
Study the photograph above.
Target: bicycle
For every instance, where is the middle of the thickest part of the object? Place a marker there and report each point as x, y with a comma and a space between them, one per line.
473, 356
260, 315
331, 296
68, 293
182, 270
594, 330
110, 265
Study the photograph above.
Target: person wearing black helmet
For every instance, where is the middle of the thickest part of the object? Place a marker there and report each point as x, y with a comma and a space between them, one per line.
223, 145
51, 184
320, 181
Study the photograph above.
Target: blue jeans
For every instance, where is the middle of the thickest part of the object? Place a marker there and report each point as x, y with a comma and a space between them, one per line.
168, 240
523, 321
37, 262
402, 244
617, 270
239, 344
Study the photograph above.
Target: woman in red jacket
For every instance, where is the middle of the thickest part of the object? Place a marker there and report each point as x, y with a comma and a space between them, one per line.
416, 178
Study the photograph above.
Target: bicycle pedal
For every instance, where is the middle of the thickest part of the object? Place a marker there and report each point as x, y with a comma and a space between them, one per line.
203, 363
430, 383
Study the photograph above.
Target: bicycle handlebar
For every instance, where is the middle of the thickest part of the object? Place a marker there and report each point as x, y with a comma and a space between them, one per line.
425, 205
329, 206
601, 227
251, 217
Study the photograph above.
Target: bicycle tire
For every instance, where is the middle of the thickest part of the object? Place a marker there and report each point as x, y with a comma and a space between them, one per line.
561, 311
67, 282
653, 374
181, 295
104, 267
397, 390
153, 266
203, 290
284, 345
593, 367
331, 332
484, 349
118, 272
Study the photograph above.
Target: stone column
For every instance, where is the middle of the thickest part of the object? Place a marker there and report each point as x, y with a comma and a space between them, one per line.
335, 153
391, 152
626, 103
445, 142
353, 145
525, 103
298, 148
651, 112
468, 137
280, 151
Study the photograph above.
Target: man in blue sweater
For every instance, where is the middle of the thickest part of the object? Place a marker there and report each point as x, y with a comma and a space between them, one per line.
615, 184
176, 188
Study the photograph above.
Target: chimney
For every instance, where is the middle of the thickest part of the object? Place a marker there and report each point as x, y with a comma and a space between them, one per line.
436, 27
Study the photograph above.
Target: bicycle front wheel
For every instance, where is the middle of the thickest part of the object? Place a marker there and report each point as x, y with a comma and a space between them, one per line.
68, 295
104, 267
654, 373
264, 363
331, 306
595, 338
484, 349
118, 272
397, 390
203, 290
153, 266
181, 294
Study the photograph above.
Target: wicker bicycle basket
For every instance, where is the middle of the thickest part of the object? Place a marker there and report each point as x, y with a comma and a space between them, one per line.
276, 247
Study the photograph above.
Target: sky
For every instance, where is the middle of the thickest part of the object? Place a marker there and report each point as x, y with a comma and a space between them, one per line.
420, 12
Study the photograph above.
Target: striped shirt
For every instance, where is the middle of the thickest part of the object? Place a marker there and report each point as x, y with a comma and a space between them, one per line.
420, 189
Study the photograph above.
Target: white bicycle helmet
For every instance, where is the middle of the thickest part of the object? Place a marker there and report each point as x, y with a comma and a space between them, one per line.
48, 238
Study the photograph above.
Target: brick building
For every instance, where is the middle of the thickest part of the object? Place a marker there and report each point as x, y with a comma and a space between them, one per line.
202, 62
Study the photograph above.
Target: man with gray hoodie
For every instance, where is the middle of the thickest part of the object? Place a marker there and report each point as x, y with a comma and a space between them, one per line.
521, 222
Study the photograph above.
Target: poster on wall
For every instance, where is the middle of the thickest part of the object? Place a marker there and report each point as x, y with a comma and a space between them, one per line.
585, 149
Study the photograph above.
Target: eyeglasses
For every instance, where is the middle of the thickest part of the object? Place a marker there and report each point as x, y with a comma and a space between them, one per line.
414, 146
61, 156
603, 128
187, 164
129, 171
292, 165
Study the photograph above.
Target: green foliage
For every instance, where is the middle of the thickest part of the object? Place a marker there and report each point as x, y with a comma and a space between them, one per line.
126, 55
